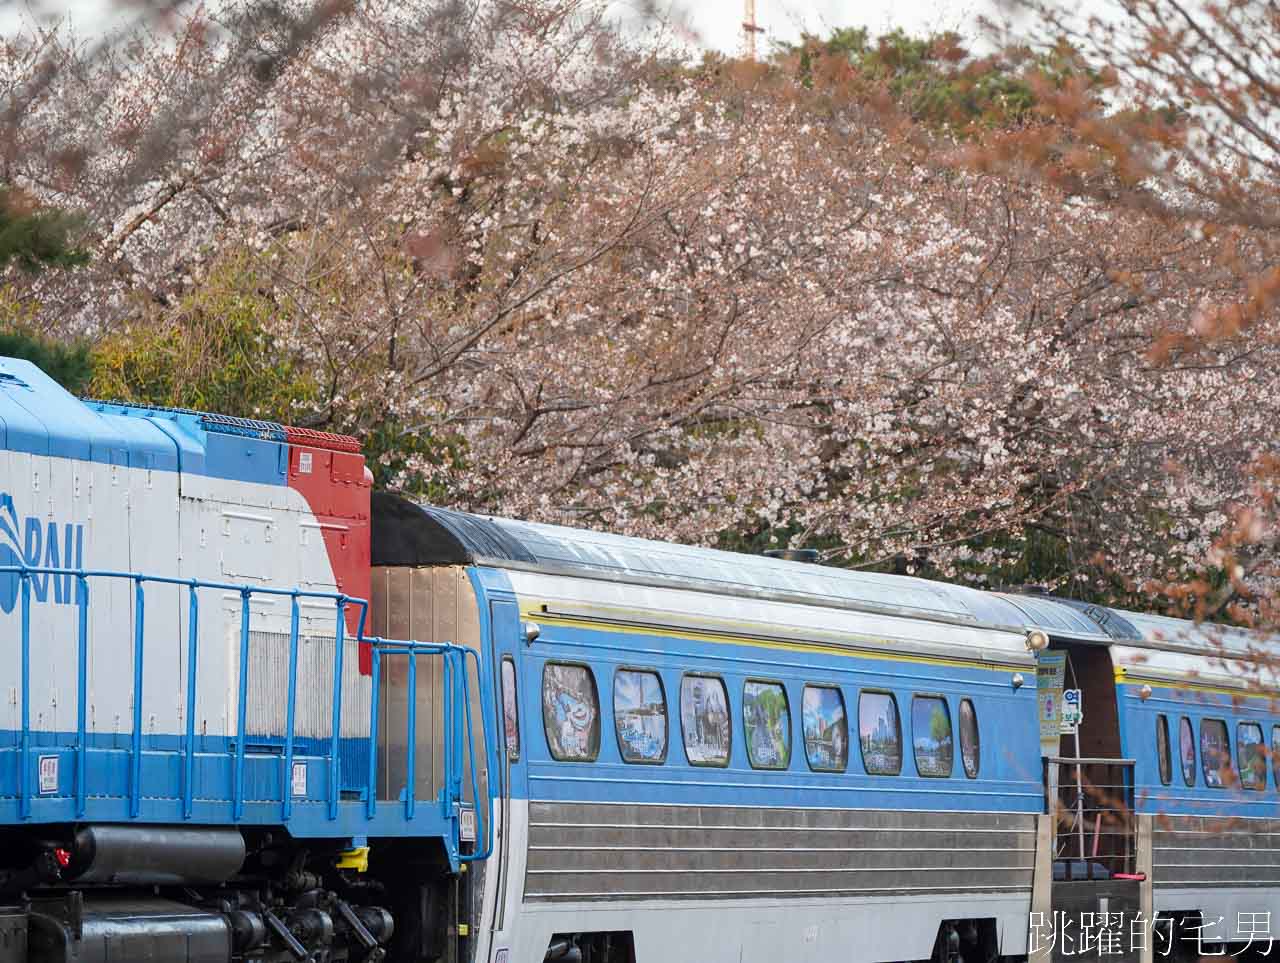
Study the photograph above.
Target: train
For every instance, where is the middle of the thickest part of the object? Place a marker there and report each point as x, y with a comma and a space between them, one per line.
256, 710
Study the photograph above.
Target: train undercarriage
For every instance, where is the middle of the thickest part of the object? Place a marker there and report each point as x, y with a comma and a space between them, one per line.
110, 894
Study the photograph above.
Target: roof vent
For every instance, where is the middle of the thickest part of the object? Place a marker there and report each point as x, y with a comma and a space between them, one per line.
793, 554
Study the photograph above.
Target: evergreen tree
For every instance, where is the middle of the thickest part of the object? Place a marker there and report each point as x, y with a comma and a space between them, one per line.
36, 238
71, 365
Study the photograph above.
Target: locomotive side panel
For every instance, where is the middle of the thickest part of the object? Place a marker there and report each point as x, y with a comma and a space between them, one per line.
181, 495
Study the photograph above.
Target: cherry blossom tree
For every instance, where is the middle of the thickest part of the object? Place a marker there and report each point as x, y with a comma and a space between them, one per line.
552, 272
1179, 125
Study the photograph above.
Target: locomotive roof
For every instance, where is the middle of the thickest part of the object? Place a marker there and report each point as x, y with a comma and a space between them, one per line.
40, 417
407, 533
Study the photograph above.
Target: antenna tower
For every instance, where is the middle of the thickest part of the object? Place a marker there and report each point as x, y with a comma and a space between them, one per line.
750, 28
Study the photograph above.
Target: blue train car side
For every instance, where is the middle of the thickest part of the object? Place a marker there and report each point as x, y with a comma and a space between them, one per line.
1201, 718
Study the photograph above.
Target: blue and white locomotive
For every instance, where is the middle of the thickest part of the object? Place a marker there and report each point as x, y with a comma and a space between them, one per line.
257, 712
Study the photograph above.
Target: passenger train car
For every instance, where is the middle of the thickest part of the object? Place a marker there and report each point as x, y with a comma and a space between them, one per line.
258, 712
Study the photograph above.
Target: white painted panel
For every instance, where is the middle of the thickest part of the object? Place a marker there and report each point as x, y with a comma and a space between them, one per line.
765, 617
245, 544
200, 543
14, 471
53, 641
111, 605
154, 544
1222, 909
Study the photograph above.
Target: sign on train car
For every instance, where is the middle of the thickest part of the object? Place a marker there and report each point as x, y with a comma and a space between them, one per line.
1051, 670
1072, 711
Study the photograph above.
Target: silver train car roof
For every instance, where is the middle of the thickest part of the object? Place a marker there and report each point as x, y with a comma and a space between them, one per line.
409, 533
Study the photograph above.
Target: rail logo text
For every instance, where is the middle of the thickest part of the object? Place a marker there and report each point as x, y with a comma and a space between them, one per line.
31, 541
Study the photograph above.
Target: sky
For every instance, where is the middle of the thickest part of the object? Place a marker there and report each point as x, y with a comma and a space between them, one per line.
718, 23
714, 23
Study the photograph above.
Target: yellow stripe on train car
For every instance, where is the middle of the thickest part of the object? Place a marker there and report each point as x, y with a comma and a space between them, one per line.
728, 638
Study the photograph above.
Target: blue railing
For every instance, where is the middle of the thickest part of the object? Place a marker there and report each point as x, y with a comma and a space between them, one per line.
460, 735
459, 741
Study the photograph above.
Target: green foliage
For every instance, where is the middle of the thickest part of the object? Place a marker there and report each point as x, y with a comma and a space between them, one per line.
68, 364
214, 353
939, 725
36, 238
395, 449
934, 79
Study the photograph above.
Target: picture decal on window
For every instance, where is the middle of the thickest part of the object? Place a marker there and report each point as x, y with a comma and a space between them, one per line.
1215, 752
1187, 751
1253, 755
510, 714
767, 720
1162, 750
931, 736
1275, 754
640, 714
704, 717
970, 746
826, 730
570, 712
879, 734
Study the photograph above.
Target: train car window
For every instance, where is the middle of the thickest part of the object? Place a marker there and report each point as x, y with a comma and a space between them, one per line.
826, 729
704, 717
970, 747
1215, 752
766, 720
570, 712
1187, 751
1275, 754
1162, 750
931, 736
879, 733
510, 714
1251, 755
640, 716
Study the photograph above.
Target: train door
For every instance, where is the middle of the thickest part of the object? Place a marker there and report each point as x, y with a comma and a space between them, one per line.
1092, 865
1089, 670
506, 866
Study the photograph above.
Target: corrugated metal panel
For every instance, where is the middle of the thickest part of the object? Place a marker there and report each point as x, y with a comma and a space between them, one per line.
602, 554
426, 605
578, 851
267, 708
1202, 851
512, 543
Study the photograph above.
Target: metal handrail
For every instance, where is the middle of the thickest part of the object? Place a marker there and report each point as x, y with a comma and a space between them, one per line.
139, 579
456, 689
457, 678
1093, 799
